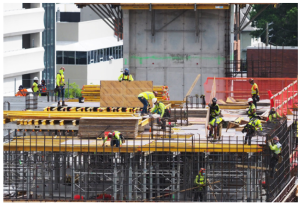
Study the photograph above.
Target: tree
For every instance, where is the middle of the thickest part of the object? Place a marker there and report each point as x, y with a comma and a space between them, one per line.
74, 90
285, 24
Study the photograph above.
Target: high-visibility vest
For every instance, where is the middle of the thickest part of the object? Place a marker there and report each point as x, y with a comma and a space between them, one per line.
200, 180
214, 112
215, 121
251, 107
147, 95
254, 123
35, 87
253, 91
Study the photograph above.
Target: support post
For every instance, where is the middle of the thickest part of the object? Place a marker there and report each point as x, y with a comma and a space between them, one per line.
115, 179
144, 178
248, 187
56, 166
130, 179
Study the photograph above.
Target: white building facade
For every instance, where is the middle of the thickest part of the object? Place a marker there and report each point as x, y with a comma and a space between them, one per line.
88, 49
23, 57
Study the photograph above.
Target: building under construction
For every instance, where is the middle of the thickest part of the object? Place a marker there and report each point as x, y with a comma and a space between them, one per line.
59, 154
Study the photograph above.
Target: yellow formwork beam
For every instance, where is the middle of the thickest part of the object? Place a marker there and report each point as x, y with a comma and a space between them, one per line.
55, 144
13, 115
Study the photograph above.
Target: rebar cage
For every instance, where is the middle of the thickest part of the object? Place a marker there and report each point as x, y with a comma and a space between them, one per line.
40, 166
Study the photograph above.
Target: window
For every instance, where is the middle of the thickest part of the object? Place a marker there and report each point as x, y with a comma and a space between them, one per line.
100, 55
92, 56
69, 57
59, 57
81, 58
96, 56
105, 55
114, 52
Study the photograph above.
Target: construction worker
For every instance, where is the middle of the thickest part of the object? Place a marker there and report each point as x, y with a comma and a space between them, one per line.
43, 88
252, 110
276, 147
254, 92
251, 128
125, 76
35, 85
160, 108
213, 127
22, 91
116, 138
60, 86
273, 115
144, 97
200, 181
214, 109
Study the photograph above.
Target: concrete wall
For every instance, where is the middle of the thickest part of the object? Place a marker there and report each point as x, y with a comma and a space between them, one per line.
12, 43
75, 73
66, 31
245, 42
175, 56
108, 70
11, 84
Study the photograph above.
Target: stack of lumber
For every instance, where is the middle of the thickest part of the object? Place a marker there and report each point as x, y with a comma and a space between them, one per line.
95, 127
91, 92
231, 103
163, 92
125, 94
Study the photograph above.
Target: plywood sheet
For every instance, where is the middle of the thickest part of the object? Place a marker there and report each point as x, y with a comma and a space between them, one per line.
123, 94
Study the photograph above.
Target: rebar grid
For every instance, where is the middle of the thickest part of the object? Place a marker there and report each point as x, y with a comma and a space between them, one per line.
159, 169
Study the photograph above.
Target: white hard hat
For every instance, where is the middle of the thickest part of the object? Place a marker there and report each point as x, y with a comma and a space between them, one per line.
35, 78
154, 100
250, 100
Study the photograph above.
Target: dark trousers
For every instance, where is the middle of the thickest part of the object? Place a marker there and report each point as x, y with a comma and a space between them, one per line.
199, 193
273, 163
248, 137
61, 93
145, 103
115, 142
254, 101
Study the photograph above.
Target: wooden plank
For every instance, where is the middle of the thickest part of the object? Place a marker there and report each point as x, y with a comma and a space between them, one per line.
212, 95
230, 100
123, 94
192, 87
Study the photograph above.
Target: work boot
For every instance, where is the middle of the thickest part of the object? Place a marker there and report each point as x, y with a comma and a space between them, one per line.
63, 104
58, 103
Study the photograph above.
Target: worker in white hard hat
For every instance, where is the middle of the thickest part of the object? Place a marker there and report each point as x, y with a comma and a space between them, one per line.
160, 108
35, 85
252, 110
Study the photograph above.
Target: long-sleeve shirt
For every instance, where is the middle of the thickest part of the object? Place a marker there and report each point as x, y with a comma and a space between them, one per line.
276, 147
147, 95
160, 108
125, 77
200, 180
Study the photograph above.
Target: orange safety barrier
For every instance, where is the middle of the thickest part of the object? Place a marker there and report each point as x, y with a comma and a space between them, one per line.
284, 100
240, 88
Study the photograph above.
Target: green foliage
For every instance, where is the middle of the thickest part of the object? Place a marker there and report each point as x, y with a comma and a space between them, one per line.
74, 90
285, 24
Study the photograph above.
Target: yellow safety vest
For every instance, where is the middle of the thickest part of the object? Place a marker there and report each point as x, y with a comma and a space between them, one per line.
253, 91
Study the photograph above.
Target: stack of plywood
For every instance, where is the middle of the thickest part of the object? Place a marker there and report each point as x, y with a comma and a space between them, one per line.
91, 93
163, 92
124, 94
95, 127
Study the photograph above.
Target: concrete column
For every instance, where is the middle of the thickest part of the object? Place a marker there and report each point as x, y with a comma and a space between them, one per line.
126, 42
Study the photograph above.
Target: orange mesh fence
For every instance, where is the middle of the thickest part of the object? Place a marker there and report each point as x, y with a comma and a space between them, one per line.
240, 88
285, 99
